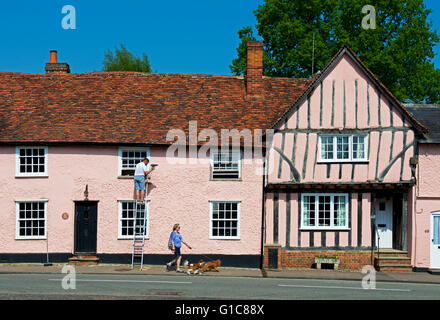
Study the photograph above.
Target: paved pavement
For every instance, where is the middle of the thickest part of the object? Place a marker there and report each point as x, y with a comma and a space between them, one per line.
408, 277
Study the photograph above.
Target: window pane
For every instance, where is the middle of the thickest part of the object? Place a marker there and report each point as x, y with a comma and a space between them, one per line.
327, 148
324, 210
342, 147
309, 211
340, 211
358, 147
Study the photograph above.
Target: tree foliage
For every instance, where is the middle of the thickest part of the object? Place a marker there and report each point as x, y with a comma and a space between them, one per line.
399, 51
124, 60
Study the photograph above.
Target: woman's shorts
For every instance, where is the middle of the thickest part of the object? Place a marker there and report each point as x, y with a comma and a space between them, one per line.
139, 182
177, 252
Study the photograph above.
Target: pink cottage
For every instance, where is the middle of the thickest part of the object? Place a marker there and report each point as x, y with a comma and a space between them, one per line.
344, 173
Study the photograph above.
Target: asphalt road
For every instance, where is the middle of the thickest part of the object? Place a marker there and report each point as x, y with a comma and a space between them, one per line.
153, 287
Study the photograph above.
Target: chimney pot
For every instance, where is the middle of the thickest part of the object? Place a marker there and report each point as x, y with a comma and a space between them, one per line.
53, 56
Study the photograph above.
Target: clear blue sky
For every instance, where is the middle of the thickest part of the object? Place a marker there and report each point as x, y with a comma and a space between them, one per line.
196, 36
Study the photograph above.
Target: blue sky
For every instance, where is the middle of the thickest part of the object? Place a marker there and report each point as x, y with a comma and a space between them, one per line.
197, 36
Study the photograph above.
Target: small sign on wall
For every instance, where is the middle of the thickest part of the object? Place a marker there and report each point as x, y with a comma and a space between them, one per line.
65, 216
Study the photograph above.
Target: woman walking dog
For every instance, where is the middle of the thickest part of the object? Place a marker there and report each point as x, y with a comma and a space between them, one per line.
174, 244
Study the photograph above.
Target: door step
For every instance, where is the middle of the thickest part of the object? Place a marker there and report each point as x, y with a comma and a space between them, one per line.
394, 267
81, 260
434, 272
392, 260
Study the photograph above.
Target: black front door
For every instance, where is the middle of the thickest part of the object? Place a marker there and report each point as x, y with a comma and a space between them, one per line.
86, 213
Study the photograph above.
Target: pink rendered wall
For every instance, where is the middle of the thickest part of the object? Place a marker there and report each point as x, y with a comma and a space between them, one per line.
374, 114
179, 193
427, 200
422, 229
429, 171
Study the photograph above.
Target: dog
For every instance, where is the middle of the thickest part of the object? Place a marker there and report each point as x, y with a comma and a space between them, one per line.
194, 267
211, 266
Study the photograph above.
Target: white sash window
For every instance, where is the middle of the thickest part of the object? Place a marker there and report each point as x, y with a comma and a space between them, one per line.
324, 211
343, 148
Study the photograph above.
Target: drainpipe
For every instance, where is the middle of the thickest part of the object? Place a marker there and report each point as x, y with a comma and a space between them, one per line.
263, 215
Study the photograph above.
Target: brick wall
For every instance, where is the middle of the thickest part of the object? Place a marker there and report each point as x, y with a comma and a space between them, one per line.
254, 68
349, 259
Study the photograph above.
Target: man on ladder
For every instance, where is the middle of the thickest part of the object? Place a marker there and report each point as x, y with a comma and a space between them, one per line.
141, 183
142, 170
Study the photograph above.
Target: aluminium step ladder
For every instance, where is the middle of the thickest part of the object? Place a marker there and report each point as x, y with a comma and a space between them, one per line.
139, 230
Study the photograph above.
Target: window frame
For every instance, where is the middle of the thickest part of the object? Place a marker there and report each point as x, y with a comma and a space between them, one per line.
17, 219
211, 212
335, 147
239, 162
125, 237
130, 149
31, 174
332, 211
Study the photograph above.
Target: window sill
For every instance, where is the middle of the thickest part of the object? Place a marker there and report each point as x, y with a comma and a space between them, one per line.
131, 238
343, 161
33, 176
126, 177
31, 238
224, 238
223, 179
324, 229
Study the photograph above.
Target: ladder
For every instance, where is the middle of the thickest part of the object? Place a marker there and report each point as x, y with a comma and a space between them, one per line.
139, 230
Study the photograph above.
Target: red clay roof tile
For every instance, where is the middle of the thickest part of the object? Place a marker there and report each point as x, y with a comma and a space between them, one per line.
131, 107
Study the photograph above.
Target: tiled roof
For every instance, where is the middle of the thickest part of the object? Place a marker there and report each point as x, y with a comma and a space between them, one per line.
131, 107
429, 115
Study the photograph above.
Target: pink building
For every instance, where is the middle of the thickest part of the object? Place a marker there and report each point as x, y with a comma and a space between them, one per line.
349, 169
63, 132
425, 248
342, 160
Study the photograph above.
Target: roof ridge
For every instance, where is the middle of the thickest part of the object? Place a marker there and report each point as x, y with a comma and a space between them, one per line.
125, 73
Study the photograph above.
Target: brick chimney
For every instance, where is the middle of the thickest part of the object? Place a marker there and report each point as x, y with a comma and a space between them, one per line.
254, 69
54, 67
